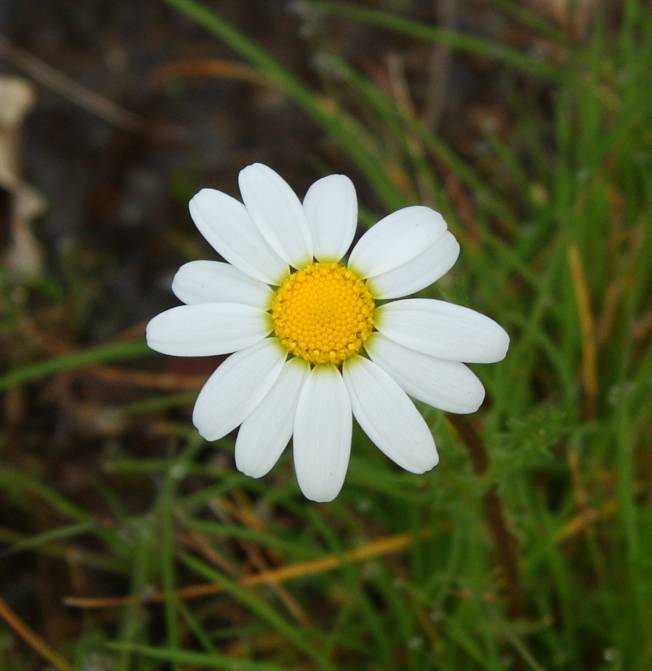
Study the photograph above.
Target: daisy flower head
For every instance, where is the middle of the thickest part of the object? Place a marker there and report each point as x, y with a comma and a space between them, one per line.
315, 340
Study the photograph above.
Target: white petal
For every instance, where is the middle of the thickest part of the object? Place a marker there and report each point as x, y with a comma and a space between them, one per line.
217, 282
234, 390
331, 208
443, 330
388, 416
224, 222
265, 433
395, 240
419, 272
277, 212
322, 434
207, 329
448, 385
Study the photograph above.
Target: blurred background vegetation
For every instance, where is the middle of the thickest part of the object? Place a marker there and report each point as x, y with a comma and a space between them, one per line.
127, 542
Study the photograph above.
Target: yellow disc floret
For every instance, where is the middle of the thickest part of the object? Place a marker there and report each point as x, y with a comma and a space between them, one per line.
323, 313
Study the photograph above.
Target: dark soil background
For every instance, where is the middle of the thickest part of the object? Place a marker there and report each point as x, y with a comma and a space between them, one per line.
122, 193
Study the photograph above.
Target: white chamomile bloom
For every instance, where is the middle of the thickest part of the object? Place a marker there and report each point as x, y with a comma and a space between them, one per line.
312, 348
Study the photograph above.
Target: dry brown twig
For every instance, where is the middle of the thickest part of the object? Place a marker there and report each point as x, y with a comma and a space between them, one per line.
381, 547
242, 511
504, 543
589, 354
372, 550
446, 12
32, 638
66, 87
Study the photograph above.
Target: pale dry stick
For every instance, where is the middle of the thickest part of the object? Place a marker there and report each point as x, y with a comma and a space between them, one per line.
643, 327
129, 377
579, 491
618, 286
400, 92
611, 303
504, 543
589, 356
247, 515
209, 551
51, 345
241, 511
584, 519
384, 546
398, 83
133, 331
41, 337
79, 579
196, 542
32, 638
445, 11
139, 378
71, 90
379, 548
200, 544
219, 68
261, 563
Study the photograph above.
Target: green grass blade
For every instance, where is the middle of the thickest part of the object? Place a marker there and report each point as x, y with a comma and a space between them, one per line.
247, 598
196, 659
74, 360
427, 33
343, 129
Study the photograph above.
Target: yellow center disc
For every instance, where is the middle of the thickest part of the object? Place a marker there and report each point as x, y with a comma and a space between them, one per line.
323, 313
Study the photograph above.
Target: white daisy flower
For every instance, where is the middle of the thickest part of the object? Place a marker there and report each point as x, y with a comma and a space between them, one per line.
312, 344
